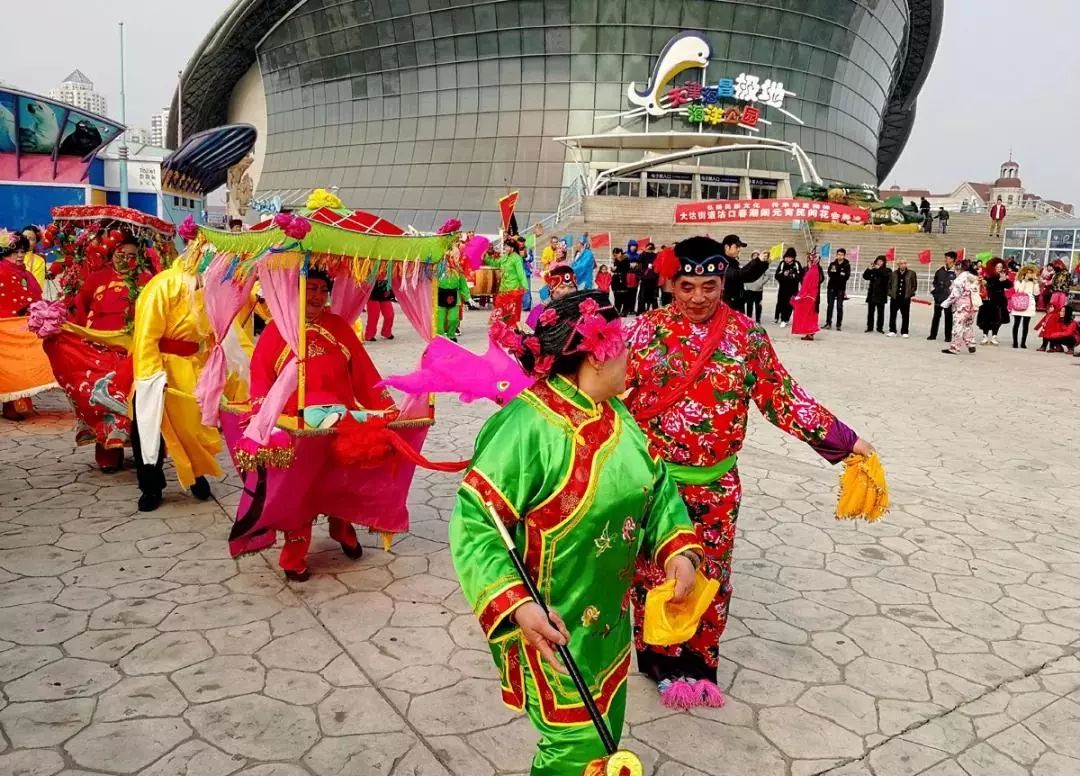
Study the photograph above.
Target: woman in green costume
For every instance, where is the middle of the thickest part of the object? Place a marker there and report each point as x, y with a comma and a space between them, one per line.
568, 471
453, 293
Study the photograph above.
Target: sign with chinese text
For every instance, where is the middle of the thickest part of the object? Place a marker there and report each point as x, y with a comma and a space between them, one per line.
719, 211
728, 102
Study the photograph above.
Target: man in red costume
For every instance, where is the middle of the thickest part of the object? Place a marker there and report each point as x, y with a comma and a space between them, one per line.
97, 375
695, 367
339, 379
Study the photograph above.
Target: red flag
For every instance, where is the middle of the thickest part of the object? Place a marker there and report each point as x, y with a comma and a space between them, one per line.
960, 254
506, 208
924, 257
890, 254
601, 240
642, 242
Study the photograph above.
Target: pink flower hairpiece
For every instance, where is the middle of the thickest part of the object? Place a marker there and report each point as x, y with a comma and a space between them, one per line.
604, 340
7, 238
549, 317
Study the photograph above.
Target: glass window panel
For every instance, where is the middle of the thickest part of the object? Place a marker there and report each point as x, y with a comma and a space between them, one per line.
425, 51
489, 98
507, 14
557, 40
556, 96
639, 41
581, 95
583, 11
510, 71
467, 74
532, 70
406, 55
447, 102
463, 19
532, 41
509, 42
466, 46
444, 50
609, 39
509, 98
611, 11
421, 26
487, 44
558, 68
508, 125
583, 67
468, 100
609, 68
532, 95
485, 17
583, 39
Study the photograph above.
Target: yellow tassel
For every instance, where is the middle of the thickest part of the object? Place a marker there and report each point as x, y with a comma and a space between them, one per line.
387, 541
864, 492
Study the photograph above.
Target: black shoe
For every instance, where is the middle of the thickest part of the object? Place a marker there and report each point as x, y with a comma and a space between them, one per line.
355, 553
201, 489
931, 339
839, 328
298, 576
880, 331
869, 331
1015, 346
971, 350
389, 338
148, 502
827, 326
948, 352
1023, 347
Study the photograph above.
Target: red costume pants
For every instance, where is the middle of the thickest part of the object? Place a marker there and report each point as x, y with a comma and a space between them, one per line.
508, 306
294, 553
714, 510
374, 311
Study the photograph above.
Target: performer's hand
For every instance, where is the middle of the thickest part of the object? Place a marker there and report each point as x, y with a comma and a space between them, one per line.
864, 448
542, 633
681, 569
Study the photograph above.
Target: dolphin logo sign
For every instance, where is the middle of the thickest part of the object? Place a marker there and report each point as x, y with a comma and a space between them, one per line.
684, 51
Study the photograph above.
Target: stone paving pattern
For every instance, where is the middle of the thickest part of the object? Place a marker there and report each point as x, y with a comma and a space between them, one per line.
942, 641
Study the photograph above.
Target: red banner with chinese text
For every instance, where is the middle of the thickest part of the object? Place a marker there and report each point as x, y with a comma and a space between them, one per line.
719, 211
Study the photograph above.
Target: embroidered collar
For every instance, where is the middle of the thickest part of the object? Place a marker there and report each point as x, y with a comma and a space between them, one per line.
573, 394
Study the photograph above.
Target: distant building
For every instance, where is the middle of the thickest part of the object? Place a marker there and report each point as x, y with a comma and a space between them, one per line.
138, 136
78, 91
976, 197
159, 127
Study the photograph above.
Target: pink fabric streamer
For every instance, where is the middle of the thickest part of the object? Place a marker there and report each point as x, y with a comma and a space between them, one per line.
415, 300
474, 251
223, 299
279, 287
350, 297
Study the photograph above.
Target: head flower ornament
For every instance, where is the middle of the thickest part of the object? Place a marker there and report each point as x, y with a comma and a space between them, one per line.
451, 225
7, 239
321, 198
601, 338
188, 229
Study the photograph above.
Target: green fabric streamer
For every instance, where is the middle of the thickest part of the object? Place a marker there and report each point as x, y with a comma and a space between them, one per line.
701, 475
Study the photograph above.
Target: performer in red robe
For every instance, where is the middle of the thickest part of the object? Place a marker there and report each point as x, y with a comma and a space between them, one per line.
18, 290
339, 378
96, 374
695, 368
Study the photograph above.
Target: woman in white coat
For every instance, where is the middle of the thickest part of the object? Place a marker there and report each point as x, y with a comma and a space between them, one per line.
1022, 303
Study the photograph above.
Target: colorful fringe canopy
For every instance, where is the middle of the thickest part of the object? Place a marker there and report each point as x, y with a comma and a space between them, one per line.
329, 245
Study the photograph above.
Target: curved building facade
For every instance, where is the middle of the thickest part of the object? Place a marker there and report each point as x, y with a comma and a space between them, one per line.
421, 110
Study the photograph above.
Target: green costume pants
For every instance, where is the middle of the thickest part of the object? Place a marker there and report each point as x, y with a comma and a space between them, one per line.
449, 321
565, 750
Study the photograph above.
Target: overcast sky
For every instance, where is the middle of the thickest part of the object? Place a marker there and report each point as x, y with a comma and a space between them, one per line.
971, 111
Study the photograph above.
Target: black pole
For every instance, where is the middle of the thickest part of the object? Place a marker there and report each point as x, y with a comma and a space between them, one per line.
562, 649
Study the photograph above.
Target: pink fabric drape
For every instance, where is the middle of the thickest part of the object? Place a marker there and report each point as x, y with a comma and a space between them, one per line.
414, 295
223, 299
279, 287
350, 297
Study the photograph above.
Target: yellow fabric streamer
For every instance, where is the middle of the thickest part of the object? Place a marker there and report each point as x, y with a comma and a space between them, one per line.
863, 490
667, 623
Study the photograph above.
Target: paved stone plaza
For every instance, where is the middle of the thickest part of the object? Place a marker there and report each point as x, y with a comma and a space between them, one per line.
941, 641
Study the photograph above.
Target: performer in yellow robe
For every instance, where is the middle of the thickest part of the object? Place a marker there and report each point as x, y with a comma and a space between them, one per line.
169, 348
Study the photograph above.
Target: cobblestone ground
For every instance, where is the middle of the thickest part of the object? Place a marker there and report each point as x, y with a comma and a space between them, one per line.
942, 641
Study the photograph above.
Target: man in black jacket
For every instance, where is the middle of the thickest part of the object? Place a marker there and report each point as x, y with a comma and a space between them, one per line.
838, 274
943, 280
649, 288
902, 286
737, 275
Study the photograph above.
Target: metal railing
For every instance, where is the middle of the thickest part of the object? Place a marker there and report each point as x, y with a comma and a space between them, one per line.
570, 205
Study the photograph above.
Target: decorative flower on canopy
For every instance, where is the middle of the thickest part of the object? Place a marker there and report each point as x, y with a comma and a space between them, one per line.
323, 198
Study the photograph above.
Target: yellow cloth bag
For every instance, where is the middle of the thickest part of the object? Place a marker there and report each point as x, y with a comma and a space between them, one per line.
863, 490
667, 623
